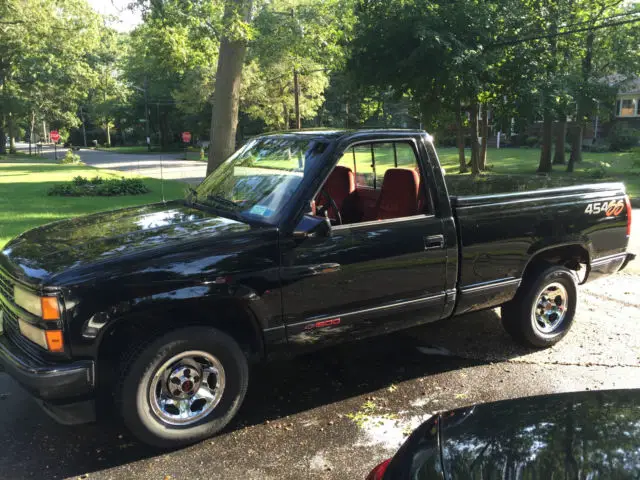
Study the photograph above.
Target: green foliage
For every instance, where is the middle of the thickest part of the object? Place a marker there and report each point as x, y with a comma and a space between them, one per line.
635, 159
70, 158
622, 138
600, 171
531, 141
45, 65
83, 187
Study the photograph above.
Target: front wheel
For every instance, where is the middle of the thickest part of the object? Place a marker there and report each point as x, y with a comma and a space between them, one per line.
543, 310
183, 387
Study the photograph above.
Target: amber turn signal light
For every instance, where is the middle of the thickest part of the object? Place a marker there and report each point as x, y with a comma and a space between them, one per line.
50, 310
54, 340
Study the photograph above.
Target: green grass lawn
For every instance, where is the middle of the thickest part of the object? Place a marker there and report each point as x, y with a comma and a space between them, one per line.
509, 169
520, 164
24, 203
193, 153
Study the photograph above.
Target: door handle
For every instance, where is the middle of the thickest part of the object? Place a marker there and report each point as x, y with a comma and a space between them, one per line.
434, 242
323, 268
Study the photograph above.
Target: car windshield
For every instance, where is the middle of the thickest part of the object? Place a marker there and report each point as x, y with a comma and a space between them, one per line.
260, 178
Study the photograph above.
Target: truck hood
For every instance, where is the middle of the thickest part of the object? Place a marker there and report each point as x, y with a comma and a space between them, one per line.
39, 254
597, 433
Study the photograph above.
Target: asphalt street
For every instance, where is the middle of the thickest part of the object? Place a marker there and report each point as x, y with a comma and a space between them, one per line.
170, 166
336, 413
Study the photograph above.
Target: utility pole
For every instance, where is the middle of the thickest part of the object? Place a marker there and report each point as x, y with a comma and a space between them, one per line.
146, 113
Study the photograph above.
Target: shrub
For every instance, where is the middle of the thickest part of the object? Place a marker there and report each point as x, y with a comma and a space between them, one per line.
70, 159
622, 138
98, 187
635, 157
531, 141
600, 171
600, 148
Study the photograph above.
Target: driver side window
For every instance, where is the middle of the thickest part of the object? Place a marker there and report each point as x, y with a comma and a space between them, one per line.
374, 181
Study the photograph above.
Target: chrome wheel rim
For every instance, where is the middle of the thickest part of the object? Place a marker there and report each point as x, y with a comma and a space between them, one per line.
550, 308
186, 388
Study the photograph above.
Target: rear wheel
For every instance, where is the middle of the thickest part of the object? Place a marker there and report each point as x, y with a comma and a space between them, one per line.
542, 312
183, 387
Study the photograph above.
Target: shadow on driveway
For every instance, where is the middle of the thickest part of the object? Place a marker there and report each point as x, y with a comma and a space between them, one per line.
34, 446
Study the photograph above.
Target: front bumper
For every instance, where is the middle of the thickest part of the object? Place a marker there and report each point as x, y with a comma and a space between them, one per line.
47, 381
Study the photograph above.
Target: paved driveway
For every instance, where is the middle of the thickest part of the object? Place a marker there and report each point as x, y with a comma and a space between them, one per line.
334, 414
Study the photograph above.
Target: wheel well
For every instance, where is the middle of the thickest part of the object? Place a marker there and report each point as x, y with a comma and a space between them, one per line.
570, 256
231, 317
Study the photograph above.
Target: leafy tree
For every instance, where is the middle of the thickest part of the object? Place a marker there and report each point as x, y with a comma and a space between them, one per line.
601, 53
174, 63
436, 51
44, 69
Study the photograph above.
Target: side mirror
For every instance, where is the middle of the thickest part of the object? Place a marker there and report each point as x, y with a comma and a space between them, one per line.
313, 227
323, 229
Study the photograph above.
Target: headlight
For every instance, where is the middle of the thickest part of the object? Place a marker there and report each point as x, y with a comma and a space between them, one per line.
28, 301
44, 307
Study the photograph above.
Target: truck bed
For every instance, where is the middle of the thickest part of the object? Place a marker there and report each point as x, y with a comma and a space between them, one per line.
499, 234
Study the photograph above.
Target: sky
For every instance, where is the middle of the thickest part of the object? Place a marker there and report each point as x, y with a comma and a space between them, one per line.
127, 19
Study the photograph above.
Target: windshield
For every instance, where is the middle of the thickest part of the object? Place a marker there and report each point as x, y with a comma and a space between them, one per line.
261, 177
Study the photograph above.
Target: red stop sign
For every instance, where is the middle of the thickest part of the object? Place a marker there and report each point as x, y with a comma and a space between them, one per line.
55, 136
186, 137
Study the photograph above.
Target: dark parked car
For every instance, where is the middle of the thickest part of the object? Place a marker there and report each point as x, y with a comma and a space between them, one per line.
571, 435
298, 241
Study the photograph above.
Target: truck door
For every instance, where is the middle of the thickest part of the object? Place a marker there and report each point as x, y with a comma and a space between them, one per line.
384, 267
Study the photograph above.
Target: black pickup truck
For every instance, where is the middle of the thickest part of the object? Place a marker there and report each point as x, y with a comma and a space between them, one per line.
298, 241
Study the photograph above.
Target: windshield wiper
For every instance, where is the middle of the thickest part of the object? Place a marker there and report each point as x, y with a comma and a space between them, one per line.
193, 195
223, 201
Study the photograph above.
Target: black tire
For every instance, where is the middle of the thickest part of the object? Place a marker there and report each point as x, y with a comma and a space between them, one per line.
518, 315
140, 367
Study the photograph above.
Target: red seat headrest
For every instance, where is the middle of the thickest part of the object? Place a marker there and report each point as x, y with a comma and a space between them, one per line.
399, 195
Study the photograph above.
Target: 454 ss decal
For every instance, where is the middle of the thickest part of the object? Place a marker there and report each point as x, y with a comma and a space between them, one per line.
610, 209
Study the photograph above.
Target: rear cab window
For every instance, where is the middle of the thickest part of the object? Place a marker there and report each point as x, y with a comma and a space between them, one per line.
370, 161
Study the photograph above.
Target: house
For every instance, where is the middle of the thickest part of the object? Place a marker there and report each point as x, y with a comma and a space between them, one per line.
628, 103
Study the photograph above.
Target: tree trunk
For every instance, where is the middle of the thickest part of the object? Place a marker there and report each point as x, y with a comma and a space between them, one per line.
475, 145
84, 128
12, 135
3, 137
32, 129
561, 133
296, 99
484, 132
346, 118
164, 131
583, 99
44, 131
460, 139
547, 137
576, 147
108, 129
226, 96
285, 113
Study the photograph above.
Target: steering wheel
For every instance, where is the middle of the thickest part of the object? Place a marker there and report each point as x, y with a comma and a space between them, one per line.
332, 202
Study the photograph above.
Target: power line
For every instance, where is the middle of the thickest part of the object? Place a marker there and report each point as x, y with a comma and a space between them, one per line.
564, 33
